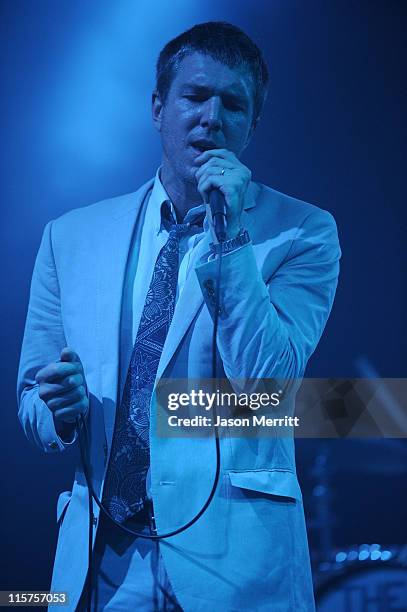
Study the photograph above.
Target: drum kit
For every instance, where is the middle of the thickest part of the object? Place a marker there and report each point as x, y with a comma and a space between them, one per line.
361, 577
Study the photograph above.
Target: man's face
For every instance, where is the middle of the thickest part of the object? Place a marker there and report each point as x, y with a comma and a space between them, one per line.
208, 106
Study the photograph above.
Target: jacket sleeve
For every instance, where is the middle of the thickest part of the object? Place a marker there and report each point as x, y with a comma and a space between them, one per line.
269, 326
43, 341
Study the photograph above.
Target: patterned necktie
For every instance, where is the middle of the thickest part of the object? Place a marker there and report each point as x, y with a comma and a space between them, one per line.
125, 487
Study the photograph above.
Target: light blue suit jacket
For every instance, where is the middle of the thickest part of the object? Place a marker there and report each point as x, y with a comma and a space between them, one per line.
249, 550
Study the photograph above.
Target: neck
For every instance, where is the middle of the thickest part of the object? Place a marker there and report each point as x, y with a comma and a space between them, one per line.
184, 194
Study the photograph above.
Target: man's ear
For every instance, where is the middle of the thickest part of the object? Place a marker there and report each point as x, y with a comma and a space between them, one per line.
157, 108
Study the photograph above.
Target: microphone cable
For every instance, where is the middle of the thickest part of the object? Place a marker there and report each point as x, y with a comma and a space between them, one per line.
83, 435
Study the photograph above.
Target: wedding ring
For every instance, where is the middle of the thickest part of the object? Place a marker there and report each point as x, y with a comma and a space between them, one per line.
222, 171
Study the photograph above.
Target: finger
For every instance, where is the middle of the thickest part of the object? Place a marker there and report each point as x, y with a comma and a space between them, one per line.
68, 354
68, 399
220, 153
211, 182
69, 415
50, 390
57, 371
221, 162
216, 171
215, 165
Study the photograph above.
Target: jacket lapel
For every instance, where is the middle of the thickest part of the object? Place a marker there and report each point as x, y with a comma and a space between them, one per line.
115, 242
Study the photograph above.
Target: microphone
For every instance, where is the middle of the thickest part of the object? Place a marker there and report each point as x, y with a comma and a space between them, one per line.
217, 204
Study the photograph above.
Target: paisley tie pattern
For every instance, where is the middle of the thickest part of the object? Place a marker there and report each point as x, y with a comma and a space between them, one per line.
125, 485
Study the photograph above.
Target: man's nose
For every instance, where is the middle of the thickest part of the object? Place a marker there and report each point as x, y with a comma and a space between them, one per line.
211, 117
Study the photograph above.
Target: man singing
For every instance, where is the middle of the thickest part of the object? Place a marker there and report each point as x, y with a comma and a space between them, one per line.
123, 294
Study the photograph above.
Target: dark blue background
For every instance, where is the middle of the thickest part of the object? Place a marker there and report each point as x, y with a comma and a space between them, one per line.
76, 126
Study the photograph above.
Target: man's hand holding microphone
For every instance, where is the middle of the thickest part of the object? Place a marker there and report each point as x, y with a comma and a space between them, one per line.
62, 387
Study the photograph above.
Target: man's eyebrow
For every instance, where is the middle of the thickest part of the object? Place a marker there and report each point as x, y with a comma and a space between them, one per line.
207, 89
197, 87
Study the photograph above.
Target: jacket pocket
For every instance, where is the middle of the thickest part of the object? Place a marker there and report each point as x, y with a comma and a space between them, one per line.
62, 504
274, 481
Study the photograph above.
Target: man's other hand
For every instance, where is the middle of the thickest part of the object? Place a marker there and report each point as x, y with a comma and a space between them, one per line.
62, 387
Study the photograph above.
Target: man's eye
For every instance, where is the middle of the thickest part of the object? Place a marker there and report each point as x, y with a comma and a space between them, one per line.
231, 105
195, 97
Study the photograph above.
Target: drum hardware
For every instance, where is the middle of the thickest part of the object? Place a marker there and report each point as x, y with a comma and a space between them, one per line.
366, 577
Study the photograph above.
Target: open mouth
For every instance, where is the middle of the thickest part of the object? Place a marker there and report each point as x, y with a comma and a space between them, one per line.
201, 146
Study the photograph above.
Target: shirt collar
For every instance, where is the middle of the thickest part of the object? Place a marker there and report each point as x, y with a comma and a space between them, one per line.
157, 199
159, 196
